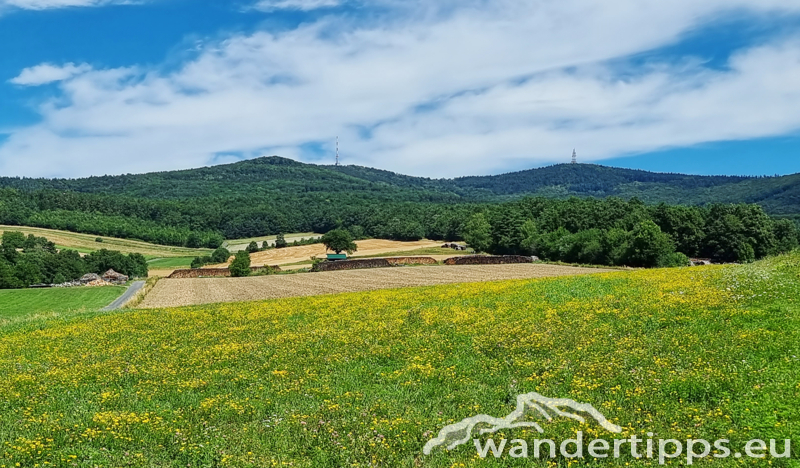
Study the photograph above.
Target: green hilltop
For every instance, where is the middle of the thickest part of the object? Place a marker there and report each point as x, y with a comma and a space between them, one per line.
276, 175
201, 207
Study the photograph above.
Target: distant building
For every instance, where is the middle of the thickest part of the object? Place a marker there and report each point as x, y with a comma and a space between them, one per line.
113, 277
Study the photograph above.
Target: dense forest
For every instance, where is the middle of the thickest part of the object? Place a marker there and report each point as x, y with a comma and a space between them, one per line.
617, 232
25, 261
202, 207
271, 178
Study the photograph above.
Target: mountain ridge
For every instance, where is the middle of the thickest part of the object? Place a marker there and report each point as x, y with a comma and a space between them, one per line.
273, 175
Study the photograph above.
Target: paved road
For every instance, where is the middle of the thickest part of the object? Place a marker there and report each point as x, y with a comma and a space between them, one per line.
125, 297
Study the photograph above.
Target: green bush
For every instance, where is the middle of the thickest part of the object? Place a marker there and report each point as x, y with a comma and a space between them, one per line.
649, 247
675, 259
200, 262
221, 255
214, 241
280, 241
240, 266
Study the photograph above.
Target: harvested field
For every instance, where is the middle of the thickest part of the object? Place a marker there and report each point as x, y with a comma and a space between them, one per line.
182, 292
305, 252
161, 273
87, 243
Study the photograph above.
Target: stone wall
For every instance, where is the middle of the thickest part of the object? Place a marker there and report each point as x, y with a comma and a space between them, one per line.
488, 260
352, 264
212, 272
361, 264
394, 261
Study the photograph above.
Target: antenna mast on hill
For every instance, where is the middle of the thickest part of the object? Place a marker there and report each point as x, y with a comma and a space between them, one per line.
337, 150
574, 157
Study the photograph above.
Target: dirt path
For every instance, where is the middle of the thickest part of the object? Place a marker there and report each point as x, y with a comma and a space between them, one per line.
183, 292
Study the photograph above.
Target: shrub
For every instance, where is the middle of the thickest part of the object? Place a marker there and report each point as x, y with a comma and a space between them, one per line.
252, 247
200, 262
221, 255
675, 259
240, 266
99, 239
649, 247
280, 241
214, 240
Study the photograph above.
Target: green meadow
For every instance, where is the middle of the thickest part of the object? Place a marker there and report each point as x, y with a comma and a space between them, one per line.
16, 303
366, 379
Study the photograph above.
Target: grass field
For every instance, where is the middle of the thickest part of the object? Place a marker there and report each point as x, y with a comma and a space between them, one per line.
240, 244
366, 379
169, 263
22, 302
368, 247
86, 243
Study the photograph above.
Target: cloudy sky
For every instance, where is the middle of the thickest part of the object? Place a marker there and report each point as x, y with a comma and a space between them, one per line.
437, 88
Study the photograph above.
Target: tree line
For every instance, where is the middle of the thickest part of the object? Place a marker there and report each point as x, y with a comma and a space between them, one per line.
617, 232
583, 230
26, 261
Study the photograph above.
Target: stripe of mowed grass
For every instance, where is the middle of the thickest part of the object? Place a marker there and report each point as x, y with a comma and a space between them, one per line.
20, 302
27, 310
88, 243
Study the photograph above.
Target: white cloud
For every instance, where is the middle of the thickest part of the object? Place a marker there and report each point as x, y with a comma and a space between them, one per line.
303, 5
49, 4
48, 73
472, 88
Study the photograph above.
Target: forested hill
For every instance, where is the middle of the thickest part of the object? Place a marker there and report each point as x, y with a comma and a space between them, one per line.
276, 176
267, 176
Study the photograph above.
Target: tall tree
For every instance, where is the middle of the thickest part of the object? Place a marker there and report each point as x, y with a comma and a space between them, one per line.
339, 240
478, 232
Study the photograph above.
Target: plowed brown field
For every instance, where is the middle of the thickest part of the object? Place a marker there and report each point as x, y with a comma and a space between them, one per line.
183, 292
305, 252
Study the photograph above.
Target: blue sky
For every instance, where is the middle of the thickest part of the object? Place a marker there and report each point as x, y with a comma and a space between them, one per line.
434, 88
